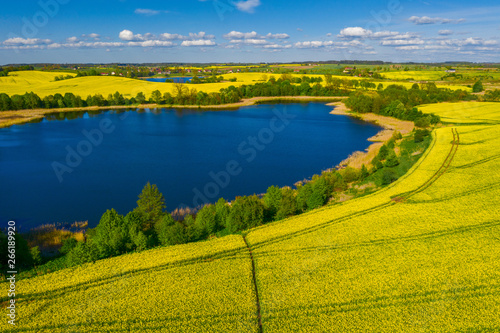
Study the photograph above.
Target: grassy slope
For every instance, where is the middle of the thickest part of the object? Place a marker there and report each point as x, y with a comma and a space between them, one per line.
43, 84
429, 264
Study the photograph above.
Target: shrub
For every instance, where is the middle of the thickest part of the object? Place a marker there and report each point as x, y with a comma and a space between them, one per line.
388, 176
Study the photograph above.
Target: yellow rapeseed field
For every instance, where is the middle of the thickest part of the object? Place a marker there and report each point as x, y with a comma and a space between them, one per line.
43, 84
420, 255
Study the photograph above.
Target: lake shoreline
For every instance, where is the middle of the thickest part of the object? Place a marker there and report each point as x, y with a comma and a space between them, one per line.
389, 125
19, 117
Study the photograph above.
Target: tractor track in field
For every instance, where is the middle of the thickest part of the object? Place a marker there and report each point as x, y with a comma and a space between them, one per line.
441, 171
259, 316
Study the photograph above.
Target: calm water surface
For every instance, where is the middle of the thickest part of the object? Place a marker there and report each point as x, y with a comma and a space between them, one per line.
74, 169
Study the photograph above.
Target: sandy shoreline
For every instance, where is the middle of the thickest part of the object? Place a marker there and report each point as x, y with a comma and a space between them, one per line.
17, 117
390, 125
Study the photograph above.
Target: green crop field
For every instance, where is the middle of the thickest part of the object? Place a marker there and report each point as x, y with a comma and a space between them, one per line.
420, 255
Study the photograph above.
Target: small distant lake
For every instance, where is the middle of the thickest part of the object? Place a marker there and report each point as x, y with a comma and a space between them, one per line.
73, 166
175, 79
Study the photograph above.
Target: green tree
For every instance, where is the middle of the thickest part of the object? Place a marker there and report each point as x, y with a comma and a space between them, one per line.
171, 232
383, 152
111, 234
272, 201
68, 245
156, 97
246, 212
391, 160
150, 206
319, 194
304, 192
222, 210
82, 253
364, 172
288, 204
477, 87
206, 222
140, 98
36, 255
422, 122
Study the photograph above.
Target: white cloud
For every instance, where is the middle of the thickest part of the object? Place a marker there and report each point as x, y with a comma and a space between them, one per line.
72, 39
241, 35
200, 35
149, 12
250, 41
151, 43
433, 20
395, 42
408, 48
247, 6
445, 32
277, 46
199, 42
17, 41
471, 41
168, 36
358, 32
277, 36
313, 44
127, 35
355, 32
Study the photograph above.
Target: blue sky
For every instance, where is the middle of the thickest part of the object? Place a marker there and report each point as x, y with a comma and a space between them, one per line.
68, 31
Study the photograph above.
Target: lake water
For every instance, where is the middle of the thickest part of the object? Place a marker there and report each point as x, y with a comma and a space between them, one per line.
175, 79
73, 166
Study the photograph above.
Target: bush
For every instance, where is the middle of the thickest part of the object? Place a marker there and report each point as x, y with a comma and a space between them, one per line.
382, 153
388, 176
422, 122
68, 245
420, 135
392, 160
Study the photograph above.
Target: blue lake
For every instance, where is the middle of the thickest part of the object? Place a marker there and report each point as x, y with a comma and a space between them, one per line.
175, 79
73, 166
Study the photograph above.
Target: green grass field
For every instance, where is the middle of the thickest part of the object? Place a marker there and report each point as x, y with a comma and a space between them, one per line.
425, 262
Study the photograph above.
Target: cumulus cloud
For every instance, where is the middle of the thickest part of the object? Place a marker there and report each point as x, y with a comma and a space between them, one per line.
247, 6
199, 42
395, 42
433, 20
277, 36
17, 41
200, 35
408, 48
168, 36
313, 44
358, 32
241, 35
127, 35
445, 32
251, 41
72, 39
277, 46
